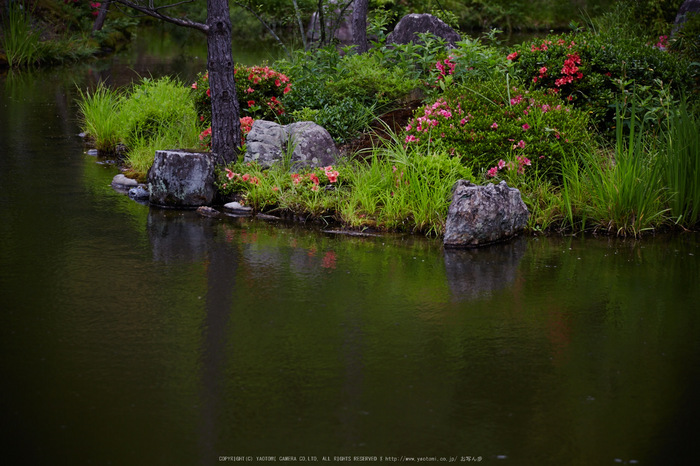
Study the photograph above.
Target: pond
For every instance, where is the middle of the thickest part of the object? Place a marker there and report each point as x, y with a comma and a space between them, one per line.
133, 335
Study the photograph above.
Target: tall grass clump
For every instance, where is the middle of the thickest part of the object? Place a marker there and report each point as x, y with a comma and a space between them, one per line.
681, 166
622, 194
19, 40
99, 116
156, 114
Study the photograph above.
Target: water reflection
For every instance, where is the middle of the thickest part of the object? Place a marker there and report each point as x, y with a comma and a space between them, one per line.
178, 236
480, 272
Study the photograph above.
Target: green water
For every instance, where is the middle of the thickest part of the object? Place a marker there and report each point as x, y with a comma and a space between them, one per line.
138, 336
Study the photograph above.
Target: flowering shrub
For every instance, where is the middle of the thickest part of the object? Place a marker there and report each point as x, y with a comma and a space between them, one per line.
482, 126
589, 69
259, 90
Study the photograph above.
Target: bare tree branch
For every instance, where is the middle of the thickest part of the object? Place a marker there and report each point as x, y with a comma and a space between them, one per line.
246, 7
301, 26
154, 11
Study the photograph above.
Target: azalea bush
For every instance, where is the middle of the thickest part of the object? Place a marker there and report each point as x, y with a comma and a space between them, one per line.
487, 123
593, 70
259, 90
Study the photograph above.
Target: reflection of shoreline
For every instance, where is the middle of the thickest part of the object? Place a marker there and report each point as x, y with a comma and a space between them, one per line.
479, 272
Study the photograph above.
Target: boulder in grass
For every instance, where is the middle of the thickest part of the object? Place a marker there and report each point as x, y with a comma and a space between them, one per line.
310, 144
181, 179
481, 215
408, 28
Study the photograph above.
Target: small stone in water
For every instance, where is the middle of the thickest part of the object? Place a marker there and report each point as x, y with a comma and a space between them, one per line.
237, 208
93, 152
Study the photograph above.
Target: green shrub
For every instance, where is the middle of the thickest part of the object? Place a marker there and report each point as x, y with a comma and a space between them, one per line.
343, 93
488, 122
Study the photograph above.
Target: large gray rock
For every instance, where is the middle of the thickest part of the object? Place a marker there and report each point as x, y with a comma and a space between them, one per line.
410, 25
265, 143
311, 145
181, 179
687, 9
480, 215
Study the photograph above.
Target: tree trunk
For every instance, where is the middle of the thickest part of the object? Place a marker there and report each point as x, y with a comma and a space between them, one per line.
359, 25
100, 20
225, 122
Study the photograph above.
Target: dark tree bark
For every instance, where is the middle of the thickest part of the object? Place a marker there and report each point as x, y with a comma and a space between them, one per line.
225, 122
100, 20
359, 25
225, 119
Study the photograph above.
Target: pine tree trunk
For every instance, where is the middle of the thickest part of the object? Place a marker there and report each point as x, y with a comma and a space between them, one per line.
225, 122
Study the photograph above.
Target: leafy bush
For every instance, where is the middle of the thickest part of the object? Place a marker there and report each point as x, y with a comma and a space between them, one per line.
488, 122
342, 93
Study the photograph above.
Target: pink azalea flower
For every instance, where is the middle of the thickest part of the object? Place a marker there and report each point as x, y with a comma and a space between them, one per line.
494, 125
526, 127
492, 172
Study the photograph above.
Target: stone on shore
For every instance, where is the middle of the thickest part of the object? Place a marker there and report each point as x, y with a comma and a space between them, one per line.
310, 144
481, 215
408, 28
181, 179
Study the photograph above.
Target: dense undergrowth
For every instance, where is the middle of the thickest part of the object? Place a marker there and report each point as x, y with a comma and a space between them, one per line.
597, 128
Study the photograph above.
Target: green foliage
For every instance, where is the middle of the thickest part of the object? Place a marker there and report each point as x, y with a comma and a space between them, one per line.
686, 41
489, 121
342, 93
